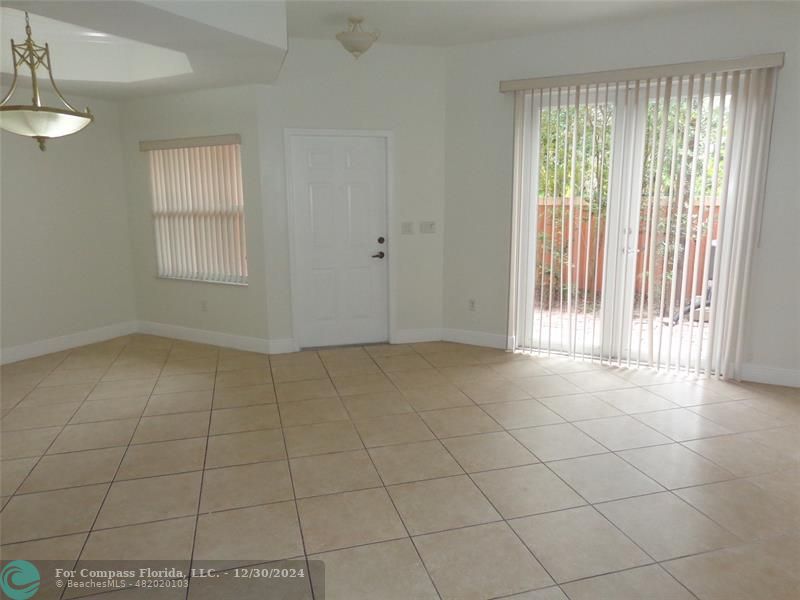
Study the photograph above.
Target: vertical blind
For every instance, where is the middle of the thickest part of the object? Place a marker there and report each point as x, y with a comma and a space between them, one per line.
198, 209
636, 207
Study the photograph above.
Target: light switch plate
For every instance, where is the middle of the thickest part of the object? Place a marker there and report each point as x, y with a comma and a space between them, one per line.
407, 227
427, 226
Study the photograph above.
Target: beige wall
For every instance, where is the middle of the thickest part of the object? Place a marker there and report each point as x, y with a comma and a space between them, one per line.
479, 145
65, 250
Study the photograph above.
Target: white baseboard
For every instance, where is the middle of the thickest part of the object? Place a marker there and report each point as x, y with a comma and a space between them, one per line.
750, 372
189, 334
772, 375
475, 338
217, 338
412, 336
227, 340
65, 342
461, 336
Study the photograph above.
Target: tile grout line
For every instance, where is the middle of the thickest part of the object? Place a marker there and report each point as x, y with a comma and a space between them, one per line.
568, 485
108, 489
588, 504
440, 440
635, 415
377, 487
655, 562
519, 537
537, 460
383, 483
614, 525
732, 478
64, 426
488, 500
311, 585
202, 473
38, 383
665, 489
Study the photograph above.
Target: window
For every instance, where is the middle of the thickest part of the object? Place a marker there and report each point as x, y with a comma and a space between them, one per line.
198, 209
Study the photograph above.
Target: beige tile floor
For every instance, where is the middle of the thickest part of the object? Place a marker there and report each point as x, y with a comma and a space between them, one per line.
431, 470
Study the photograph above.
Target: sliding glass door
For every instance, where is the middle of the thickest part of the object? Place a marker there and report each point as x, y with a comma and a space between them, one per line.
623, 193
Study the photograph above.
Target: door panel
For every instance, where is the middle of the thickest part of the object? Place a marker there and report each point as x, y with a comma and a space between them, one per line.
322, 199
339, 212
564, 292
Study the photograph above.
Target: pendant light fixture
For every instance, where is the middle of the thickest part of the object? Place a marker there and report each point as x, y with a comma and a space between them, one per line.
36, 120
355, 40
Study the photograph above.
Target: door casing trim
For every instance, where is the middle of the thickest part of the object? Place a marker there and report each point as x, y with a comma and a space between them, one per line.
388, 137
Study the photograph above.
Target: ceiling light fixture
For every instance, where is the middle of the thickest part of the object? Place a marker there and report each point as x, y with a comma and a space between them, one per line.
355, 40
35, 120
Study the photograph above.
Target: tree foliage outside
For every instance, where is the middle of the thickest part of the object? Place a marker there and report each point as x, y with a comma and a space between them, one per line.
586, 133
694, 134
700, 147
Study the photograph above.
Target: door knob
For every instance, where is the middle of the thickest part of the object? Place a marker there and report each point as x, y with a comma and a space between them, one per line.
380, 254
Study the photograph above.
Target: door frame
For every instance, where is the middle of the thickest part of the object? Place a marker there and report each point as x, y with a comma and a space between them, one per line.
388, 137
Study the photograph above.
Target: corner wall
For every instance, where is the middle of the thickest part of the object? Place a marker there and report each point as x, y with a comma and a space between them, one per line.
321, 87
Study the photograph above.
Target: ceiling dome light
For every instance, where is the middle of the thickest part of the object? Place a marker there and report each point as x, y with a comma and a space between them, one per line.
355, 40
35, 120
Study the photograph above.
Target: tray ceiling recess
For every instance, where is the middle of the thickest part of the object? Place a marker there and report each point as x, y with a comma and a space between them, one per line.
126, 48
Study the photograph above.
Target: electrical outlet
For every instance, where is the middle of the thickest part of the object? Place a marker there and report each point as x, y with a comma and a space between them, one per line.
407, 227
427, 226
203, 306
471, 304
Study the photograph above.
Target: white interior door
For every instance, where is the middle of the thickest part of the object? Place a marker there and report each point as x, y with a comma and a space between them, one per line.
338, 203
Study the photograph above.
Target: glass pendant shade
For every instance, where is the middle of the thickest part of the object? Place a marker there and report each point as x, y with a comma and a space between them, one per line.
41, 122
35, 120
356, 41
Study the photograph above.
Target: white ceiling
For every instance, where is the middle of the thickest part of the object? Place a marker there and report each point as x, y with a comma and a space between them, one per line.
451, 22
125, 47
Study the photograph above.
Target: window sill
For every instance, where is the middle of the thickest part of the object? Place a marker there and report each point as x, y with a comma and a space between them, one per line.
211, 281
